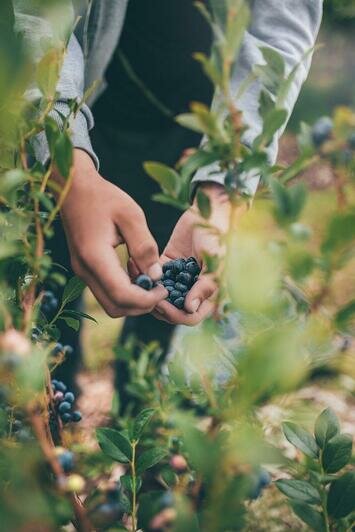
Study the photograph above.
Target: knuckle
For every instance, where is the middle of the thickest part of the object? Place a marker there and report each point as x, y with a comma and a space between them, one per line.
145, 249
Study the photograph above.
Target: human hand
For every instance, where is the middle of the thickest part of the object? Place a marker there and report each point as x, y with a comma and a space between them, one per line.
190, 239
97, 217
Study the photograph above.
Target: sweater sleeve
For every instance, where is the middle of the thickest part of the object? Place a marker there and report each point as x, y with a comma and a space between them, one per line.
290, 27
36, 29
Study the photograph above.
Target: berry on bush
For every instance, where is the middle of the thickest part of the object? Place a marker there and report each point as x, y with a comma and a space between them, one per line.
64, 401
179, 276
49, 303
322, 130
262, 481
65, 459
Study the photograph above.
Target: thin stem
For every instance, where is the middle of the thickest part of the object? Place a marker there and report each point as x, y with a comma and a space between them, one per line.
324, 498
134, 487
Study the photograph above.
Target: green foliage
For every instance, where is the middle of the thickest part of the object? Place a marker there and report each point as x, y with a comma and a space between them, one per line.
330, 453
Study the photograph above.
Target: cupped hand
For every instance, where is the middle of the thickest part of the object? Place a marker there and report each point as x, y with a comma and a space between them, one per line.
192, 236
97, 217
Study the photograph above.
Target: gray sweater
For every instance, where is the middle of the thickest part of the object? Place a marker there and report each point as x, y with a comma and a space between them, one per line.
288, 26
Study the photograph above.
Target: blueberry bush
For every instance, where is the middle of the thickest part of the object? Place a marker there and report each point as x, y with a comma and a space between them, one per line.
192, 450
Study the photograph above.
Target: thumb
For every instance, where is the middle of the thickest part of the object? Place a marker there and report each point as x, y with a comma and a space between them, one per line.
141, 245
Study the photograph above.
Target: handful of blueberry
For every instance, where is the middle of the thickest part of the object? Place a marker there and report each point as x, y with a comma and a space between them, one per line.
179, 276
64, 401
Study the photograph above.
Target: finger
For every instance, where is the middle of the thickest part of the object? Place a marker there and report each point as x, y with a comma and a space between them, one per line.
105, 271
165, 311
141, 245
203, 289
133, 271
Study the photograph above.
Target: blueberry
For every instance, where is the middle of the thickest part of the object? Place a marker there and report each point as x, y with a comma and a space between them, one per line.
195, 279
168, 282
184, 278
178, 265
70, 397
179, 303
167, 266
264, 478
58, 348
175, 294
193, 268
66, 417
181, 287
66, 460
65, 406
169, 274
60, 386
144, 281
166, 500
76, 416
58, 397
170, 288
322, 130
68, 350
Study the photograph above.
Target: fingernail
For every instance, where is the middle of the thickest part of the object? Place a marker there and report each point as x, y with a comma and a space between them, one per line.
195, 303
155, 272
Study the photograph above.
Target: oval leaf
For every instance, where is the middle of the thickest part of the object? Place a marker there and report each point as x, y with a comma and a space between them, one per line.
150, 458
308, 515
141, 421
114, 444
326, 427
341, 497
301, 439
300, 490
337, 453
204, 204
167, 177
72, 290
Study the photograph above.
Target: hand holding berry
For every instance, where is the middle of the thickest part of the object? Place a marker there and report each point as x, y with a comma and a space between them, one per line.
98, 217
190, 239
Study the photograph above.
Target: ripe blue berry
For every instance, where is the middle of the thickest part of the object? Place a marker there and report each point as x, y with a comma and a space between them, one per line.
65, 406
175, 294
322, 130
144, 281
68, 350
184, 278
66, 417
193, 268
178, 265
169, 274
168, 282
58, 348
69, 397
167, 266
76, 416
60, 386
179, 303
66, 460
181, 287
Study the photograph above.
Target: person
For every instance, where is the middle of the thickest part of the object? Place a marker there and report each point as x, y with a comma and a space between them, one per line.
142, 53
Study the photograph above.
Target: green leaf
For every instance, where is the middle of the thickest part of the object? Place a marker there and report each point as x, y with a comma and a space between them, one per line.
272, 123
204, 204
79, 314
274, 61
141, 422
300, 438
308, 515
344, 317
167, 177
326, 426
71, 322
63, 154
48, 70
52, 133
127, 483
72, 290
167, 200
341, 496
150, 458
300, 490
211, 262
340, 232
196, 161
337, 453
114, 444
237, 23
